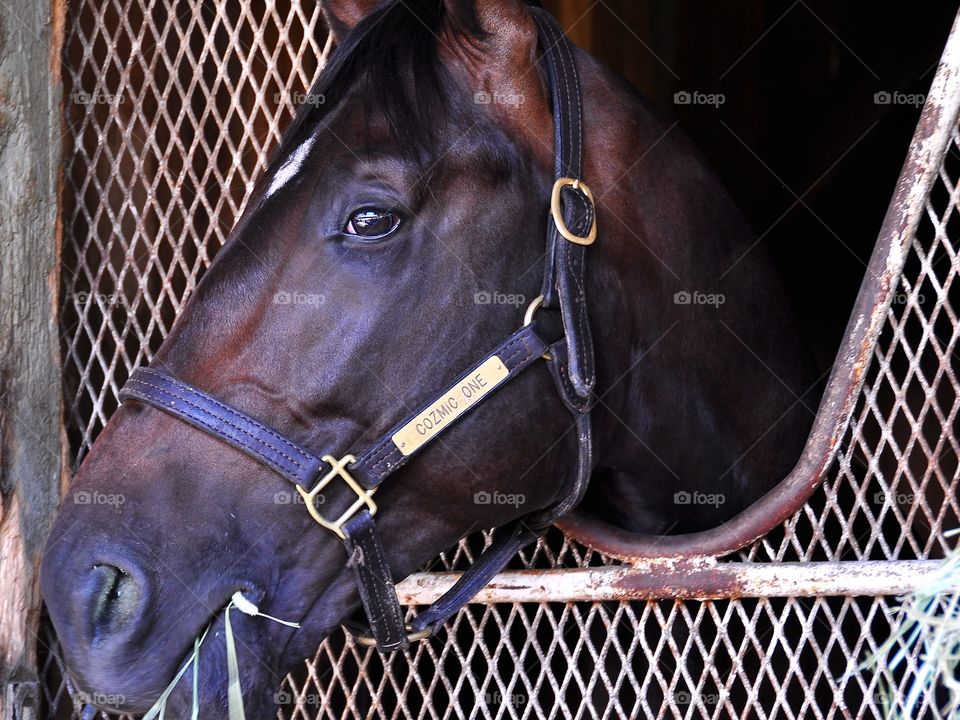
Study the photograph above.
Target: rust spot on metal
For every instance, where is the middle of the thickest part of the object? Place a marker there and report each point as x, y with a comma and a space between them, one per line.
679, 580
58, 14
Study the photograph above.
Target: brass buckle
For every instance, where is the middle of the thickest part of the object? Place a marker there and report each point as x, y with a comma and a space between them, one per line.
557, 212
364, 497
365, 640
528, 318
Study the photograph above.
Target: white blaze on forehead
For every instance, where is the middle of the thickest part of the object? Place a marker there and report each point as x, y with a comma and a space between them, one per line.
291, 167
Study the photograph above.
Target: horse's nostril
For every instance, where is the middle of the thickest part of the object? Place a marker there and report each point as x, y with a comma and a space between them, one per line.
116, 598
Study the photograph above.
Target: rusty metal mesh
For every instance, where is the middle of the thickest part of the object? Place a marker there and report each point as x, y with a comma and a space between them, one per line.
171, 110
892, 492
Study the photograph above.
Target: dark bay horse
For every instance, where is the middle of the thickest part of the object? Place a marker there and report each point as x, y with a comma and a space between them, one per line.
398, 235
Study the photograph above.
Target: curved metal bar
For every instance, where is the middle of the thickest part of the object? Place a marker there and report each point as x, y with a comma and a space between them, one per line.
937, 122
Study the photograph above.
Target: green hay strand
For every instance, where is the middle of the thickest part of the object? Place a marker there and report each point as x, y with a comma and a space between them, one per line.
234, 692
160, 706
929, 629
195, 712
234, 689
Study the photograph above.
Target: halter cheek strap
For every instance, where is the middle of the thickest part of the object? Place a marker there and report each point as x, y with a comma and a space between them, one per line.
570, 360
574, 225
314, 478
296, 463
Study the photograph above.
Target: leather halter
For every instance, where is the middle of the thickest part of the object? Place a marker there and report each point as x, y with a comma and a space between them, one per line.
570, 361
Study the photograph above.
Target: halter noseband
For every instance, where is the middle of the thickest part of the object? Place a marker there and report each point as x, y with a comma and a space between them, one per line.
570, 361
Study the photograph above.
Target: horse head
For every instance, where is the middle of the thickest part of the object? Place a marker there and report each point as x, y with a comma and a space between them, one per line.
395, 240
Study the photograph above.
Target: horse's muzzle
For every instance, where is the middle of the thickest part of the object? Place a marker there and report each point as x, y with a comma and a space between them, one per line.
99, 600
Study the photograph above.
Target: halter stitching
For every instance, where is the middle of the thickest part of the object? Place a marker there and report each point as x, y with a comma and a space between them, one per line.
231, 412
224, 419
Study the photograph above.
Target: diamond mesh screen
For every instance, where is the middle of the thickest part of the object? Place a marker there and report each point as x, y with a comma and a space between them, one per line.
171, 110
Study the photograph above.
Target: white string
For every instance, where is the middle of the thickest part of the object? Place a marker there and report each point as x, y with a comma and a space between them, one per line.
234, 691
248, 608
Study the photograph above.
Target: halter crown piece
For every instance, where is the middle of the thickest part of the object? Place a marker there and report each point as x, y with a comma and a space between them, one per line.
570, 231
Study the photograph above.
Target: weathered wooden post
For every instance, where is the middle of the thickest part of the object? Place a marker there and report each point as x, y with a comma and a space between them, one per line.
31, 451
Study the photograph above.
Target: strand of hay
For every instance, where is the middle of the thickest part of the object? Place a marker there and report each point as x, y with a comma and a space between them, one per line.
234, 690
928, 628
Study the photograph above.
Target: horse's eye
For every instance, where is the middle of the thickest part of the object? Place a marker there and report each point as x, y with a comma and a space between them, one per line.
372, 223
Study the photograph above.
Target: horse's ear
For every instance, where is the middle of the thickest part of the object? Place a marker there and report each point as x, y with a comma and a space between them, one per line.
507, 23
472, 15
343, 15
496, 43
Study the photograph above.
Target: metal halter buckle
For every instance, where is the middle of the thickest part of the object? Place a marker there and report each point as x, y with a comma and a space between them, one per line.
412, 636
364, 496
528, 318
557, 212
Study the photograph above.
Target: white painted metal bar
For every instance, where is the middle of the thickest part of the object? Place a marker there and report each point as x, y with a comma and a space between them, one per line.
697, 581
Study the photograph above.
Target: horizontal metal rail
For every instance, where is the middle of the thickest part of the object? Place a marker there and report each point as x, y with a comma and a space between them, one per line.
696, 580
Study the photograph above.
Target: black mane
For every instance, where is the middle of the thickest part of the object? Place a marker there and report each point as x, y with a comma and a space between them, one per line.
391, 59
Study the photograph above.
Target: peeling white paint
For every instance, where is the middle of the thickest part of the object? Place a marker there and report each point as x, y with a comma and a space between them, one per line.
666, 579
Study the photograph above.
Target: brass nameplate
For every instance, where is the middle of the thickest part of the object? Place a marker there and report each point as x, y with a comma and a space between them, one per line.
451, 405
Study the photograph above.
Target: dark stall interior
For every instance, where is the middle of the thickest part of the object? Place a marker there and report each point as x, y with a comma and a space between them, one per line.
820, 100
